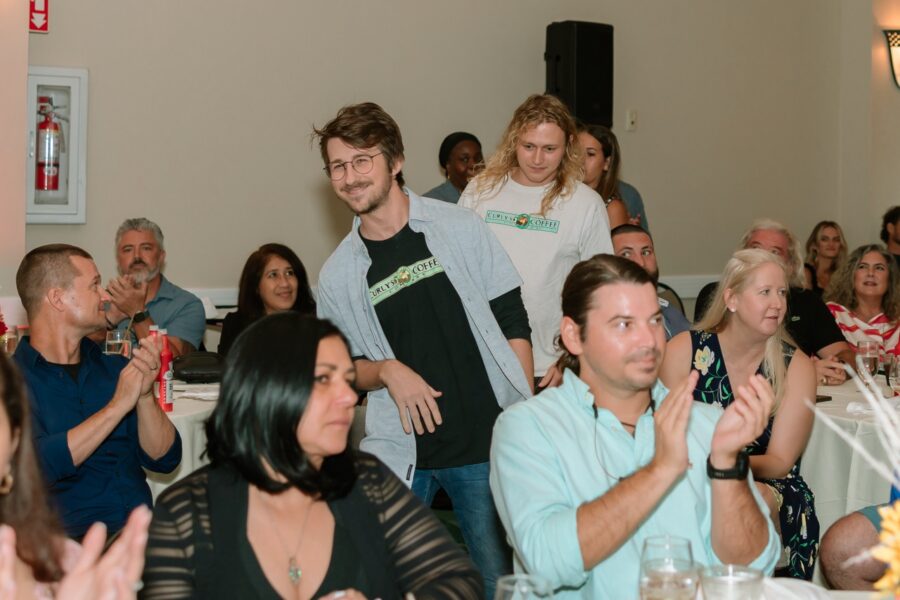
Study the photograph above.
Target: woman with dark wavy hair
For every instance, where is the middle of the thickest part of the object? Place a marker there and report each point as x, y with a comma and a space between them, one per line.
273, 280
286, 508
864, 298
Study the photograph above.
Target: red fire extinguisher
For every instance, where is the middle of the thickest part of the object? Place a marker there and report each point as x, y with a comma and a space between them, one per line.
49, 137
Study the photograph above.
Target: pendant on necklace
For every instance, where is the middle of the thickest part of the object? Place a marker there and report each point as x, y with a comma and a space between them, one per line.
294, 571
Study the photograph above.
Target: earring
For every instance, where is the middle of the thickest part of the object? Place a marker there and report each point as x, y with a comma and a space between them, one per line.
6, 484
732, 309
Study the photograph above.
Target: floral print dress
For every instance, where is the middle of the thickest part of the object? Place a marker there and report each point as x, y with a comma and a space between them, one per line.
797, 511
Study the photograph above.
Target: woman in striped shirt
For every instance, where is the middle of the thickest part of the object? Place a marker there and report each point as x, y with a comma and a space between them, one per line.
863, 297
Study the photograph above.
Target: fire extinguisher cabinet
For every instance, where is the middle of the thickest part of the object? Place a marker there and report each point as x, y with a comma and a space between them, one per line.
56, 145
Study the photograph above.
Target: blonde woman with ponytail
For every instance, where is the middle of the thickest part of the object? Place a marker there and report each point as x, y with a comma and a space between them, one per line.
742, 334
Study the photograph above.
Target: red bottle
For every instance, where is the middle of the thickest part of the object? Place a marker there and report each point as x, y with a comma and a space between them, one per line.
166, 371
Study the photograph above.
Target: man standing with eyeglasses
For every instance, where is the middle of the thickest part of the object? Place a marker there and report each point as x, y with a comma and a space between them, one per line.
432, 308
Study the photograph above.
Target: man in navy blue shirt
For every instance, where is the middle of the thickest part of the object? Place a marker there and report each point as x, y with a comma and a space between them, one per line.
95, 421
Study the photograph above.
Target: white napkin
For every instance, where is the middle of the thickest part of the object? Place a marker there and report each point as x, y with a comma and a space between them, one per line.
197, 391
784, 588
864, 408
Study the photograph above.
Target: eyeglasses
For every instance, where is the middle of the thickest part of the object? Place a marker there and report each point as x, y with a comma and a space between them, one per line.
361, 164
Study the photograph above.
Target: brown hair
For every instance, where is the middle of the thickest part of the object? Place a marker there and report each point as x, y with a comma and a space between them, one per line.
43, 268
584, 279
364, 125
536, 109
39, 537
608, 186
812, 252
840, 289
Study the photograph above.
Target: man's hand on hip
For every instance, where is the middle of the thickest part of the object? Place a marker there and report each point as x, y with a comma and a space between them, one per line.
415, 399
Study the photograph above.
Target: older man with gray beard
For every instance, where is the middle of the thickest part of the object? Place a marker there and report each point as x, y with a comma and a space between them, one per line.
141, 296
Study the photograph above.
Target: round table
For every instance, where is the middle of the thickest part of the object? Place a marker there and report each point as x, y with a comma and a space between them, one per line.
838, 475
189, 416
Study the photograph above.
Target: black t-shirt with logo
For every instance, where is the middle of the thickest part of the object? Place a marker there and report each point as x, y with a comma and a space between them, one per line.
425, 323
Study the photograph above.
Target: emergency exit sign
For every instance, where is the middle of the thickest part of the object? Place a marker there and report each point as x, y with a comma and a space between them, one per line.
39, 16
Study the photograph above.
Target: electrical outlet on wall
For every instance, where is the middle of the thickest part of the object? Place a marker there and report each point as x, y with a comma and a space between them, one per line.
631, 120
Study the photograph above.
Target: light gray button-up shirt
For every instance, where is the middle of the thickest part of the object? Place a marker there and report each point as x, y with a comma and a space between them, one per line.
478, 269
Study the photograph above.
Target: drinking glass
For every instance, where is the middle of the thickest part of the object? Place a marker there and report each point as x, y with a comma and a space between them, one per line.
892, 371
10, 340
118, 341
667, 569
731, 582
522, 587
869, 353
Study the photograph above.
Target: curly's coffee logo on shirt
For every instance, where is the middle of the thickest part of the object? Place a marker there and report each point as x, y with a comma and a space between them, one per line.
522, 221
404, 277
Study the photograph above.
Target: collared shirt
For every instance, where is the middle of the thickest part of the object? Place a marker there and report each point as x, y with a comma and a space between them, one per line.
479, 270
446, 192
177, 311
110, 483
674, 320
878, 329
550, 455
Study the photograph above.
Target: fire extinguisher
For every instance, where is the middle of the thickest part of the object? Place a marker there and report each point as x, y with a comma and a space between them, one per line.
49, 137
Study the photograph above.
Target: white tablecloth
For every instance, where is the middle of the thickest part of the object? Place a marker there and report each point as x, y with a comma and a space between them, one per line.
840, 478
188, 416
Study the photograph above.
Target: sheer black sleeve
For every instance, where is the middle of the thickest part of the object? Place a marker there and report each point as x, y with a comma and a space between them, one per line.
426, 560
180, 522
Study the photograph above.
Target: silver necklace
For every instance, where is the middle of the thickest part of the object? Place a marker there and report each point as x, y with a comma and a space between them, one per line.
294, 570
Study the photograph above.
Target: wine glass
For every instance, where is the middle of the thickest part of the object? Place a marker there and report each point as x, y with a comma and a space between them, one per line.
868, 352
522, 587
667, 569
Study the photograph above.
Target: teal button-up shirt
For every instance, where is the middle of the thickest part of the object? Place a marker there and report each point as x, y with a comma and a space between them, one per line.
546, 461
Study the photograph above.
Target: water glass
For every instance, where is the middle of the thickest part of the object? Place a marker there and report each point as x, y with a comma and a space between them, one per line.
667, 569
522, 587
869, 353
10, 340
118, 341
731, 582
892, 371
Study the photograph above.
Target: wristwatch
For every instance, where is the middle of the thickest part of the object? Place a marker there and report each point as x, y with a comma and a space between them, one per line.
139, 316
738, 471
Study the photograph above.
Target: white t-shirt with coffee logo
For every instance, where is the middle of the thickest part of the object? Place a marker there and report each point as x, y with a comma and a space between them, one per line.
543, 248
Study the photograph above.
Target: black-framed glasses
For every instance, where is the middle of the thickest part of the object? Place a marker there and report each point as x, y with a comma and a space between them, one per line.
362, 164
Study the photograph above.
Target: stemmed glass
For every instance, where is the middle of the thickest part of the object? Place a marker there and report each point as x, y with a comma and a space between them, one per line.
667, 569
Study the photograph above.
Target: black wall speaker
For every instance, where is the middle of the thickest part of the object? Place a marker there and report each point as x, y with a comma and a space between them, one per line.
579, 59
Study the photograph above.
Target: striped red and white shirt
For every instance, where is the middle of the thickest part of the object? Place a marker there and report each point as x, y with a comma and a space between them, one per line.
879, 329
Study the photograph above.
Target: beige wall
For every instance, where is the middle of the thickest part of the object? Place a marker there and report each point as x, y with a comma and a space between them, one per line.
200, 112
885, 191
13, 74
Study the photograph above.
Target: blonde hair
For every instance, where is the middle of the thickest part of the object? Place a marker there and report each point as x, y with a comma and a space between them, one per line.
794, 266
738, 272
537, 109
